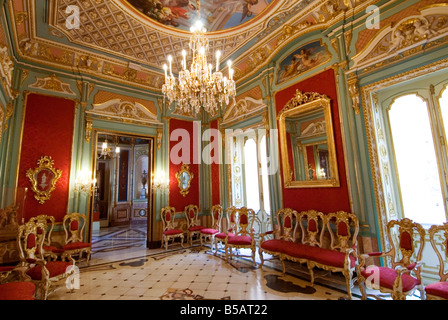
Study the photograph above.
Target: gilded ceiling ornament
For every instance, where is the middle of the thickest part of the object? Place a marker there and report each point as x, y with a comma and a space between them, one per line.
406, 38
43, 178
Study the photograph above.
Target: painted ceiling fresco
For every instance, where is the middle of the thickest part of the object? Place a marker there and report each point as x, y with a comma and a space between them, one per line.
215, 14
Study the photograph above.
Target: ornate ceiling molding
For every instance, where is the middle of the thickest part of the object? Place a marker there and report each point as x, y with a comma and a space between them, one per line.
406, 38
118, 45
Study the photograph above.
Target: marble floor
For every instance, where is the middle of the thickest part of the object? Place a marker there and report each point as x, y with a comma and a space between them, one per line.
122, 268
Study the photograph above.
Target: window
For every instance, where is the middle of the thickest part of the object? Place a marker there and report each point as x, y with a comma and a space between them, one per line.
249, 168
416, 162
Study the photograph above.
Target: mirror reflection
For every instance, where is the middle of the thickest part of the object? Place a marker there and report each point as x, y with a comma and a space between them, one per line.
306, 133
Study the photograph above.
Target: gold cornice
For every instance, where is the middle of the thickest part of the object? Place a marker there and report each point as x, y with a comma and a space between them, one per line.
152, 79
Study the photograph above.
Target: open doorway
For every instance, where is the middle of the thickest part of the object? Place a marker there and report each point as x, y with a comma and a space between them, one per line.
122, 207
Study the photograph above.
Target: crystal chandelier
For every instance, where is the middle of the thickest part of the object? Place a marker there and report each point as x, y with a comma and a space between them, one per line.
199, 86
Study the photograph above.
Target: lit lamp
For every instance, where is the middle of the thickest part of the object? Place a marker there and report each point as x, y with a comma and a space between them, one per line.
322, 173
106, 151
160, 183
84, 183
198, 86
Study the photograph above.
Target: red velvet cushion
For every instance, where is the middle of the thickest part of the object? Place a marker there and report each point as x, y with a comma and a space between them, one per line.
333, 258
55, 268
31, 241
287, 222
439, 289
196, 228
298, 250
74, 225
209, 231
6, 268
312, 226
222, 235
388, 276
76, 245
172, 231
53, 249
406, 241
275, 245
240, 240
342, 229
17, 291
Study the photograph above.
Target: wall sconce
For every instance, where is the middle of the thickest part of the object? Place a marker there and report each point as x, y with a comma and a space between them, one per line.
160, 183
84, 183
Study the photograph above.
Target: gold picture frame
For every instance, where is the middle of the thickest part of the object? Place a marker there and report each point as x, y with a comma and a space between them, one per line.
296, 166
43, 178
184, 177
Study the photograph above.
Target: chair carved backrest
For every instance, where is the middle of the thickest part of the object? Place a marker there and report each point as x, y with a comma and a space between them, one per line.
286, 224
244, 221
29, 242
231, 218
192, 215
48, 222
410, 235
438, 236
217, 213
74, 224
168, 215
312, 223
343, 228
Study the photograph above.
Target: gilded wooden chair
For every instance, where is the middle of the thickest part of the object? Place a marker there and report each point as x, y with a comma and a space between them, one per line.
438, 236
243, 236
49, 250
44, 274
283, 235
402, 277
75, 245
207, 234
220, 238
342, 255
193, 224
170, 232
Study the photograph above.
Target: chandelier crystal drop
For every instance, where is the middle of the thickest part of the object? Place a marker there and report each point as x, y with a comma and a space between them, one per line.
199, 86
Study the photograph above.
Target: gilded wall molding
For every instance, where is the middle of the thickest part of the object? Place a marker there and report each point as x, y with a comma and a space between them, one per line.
410, 36
375, 141
123, 111
53, 84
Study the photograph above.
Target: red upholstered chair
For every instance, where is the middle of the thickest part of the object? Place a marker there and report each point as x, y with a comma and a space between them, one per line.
342, 256
170, 232
50, 251
243, 236
283, 235
439, 290
74, 224
17, 290
230, 226
208, 234
193, 224
44, 274
401, 276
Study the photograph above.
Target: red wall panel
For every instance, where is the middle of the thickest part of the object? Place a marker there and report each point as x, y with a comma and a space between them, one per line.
215, 168
323, 199
48, 131
176, 199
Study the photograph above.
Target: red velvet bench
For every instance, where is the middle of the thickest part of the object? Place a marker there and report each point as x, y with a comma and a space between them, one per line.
309, 248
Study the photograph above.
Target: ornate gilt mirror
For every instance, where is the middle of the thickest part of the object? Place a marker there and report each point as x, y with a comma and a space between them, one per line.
184, 177
307, 142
